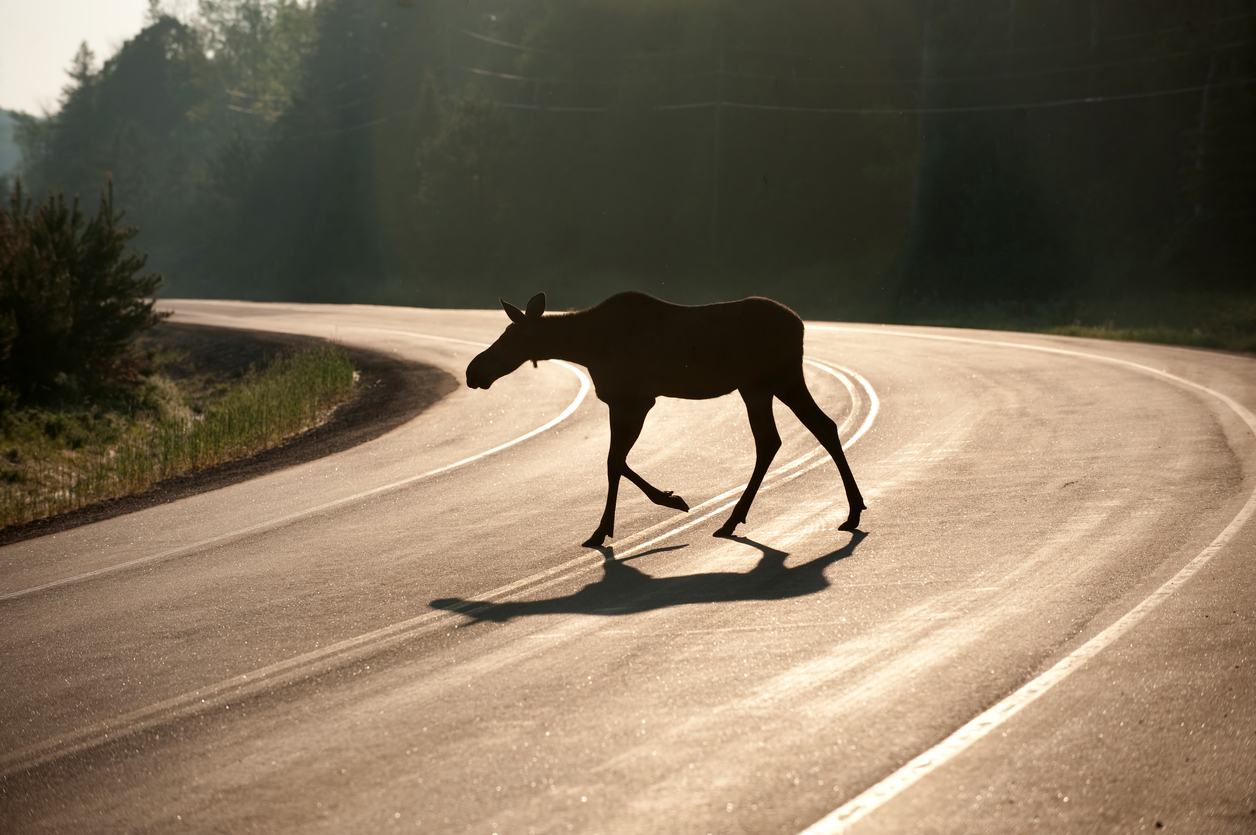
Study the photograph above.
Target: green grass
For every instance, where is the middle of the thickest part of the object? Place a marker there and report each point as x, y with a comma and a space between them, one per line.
1221, 339
1201, 321
54, 460
1163, 335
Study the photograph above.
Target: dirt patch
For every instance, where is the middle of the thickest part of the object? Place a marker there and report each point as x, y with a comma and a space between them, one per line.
391, 392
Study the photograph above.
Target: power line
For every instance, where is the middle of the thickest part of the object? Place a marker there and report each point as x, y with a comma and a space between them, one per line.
916, 81
851, 111
576, 54
882, 56
913, 82
1099, 66
557, 108
584, 82
914, 56
831, 80
983, 108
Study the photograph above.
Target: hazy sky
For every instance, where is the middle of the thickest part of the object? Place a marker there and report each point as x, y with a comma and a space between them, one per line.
38, 39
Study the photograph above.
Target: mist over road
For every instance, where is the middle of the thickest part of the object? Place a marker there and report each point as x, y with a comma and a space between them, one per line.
407, 634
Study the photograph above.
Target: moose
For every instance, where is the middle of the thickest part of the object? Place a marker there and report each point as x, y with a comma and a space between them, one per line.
638, 348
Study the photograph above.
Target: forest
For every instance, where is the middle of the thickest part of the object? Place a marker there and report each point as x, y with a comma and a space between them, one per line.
1070, 160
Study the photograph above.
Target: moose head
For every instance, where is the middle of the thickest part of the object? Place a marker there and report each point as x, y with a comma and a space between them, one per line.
516, 344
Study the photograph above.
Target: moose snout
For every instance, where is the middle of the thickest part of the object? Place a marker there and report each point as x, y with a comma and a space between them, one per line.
479, 377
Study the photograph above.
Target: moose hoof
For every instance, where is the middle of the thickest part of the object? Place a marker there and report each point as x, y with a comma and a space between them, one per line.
851, 524
675, 502
595, 541
726, 530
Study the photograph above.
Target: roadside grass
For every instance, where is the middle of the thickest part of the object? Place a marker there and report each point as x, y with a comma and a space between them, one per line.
58, 458
1201, 321
1224, 339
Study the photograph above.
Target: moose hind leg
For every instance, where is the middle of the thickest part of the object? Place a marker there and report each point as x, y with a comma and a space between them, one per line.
766, 443
626, 422
666, 498
797, 397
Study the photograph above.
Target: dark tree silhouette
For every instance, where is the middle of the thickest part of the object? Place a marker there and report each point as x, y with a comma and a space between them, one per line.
71, 294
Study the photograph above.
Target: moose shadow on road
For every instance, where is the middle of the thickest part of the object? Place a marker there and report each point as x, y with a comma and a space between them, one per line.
625, 589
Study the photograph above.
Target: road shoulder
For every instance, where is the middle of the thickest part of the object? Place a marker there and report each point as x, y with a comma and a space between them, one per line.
392, 392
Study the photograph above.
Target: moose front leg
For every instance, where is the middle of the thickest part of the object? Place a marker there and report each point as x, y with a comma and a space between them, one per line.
666, 498
627, 418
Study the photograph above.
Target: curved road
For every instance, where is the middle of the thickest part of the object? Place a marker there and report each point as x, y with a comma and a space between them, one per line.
1047, 618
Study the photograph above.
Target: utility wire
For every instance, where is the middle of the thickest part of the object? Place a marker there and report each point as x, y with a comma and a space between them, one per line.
891, 111
1088, 45
916, 81
557, 108
895, 56
578, 54
913, 82
812, 79
853, 111
575, 82
981, 108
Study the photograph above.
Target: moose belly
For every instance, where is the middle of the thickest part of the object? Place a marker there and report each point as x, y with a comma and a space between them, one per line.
670, 377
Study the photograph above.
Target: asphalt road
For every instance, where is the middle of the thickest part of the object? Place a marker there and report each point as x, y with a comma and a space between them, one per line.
1046, 621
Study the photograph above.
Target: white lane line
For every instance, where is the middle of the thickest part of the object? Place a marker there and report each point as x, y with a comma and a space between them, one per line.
271, 523
311, 663
878, 795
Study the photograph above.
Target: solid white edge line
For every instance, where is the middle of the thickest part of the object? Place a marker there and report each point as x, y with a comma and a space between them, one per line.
304, 664
270, 523
878, 795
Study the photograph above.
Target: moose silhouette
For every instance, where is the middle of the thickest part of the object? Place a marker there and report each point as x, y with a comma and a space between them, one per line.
638, 348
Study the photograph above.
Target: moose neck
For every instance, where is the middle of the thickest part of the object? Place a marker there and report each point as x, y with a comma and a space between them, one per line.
567, 336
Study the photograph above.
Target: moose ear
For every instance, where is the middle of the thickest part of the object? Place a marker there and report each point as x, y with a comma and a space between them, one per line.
536, 306
515, 314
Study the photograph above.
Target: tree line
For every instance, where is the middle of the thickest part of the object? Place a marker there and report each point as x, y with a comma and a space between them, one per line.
846, 156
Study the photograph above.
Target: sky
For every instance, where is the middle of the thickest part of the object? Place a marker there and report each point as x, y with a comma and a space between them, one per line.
38, 39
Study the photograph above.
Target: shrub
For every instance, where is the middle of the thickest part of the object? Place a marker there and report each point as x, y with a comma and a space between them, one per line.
71, 296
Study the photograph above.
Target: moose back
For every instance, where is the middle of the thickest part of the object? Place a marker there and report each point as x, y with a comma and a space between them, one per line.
638, 348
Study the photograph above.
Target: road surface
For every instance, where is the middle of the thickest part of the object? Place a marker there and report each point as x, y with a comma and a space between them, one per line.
1046, 621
